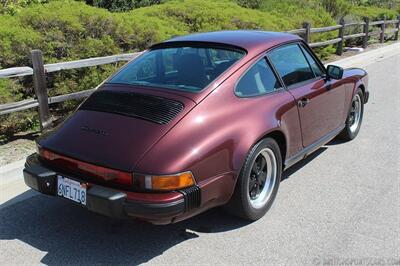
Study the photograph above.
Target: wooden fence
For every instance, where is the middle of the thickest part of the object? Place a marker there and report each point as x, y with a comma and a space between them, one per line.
39, 69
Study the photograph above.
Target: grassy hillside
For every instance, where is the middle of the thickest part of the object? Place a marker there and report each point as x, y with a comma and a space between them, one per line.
66, 30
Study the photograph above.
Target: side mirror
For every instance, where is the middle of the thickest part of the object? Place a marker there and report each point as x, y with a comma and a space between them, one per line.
335, 72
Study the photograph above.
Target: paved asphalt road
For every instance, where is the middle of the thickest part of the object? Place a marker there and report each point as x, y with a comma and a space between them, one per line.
340, 206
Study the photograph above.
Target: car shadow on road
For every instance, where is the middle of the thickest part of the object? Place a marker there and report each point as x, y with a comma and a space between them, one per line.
297, 166
69, 234
336, 141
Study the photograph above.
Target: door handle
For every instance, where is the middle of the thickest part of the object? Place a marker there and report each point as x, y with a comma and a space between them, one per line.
303, 102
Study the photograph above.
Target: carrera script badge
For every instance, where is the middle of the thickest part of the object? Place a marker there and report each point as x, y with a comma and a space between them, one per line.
94, 131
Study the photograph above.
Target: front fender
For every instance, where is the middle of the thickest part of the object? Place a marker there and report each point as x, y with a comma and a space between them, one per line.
359, 77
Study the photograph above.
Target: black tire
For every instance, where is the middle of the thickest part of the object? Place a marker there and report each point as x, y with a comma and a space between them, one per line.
241, 204
349, 133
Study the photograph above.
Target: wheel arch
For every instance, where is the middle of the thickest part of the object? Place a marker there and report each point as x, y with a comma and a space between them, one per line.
275, 134
280, 138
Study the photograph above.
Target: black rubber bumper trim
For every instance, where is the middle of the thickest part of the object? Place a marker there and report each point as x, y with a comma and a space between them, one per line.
366, 96
114, 203
192, 197
168, 209
103, 200
40, 179
106, 201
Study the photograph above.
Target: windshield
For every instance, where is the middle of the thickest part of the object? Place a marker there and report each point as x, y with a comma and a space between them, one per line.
180, 68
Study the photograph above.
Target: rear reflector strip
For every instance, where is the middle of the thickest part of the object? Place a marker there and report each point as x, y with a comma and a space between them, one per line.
82, 168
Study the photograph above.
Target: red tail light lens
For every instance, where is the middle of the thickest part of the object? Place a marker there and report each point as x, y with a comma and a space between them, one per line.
72, 165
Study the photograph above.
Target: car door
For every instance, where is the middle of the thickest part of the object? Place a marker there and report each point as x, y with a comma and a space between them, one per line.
320, 109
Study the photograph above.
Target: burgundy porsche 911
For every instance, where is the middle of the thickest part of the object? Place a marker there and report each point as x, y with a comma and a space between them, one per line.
199, 121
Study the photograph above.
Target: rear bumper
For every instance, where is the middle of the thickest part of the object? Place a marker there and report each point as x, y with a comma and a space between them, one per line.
160, 208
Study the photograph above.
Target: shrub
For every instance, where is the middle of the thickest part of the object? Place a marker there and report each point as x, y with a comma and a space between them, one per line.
374, 13
13, 7
249, 3
298, 12
337, 8
12, 90
122, 5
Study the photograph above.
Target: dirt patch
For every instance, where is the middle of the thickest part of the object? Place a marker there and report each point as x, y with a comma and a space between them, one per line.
346, 54
16, 150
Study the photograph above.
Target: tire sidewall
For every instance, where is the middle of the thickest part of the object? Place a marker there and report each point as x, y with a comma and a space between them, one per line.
251, 212
354, 134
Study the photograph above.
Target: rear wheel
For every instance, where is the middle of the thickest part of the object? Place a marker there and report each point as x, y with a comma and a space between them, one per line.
258, 182
354, 118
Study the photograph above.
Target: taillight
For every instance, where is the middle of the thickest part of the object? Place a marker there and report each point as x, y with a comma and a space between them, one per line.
164, 182
171, 182
76, 166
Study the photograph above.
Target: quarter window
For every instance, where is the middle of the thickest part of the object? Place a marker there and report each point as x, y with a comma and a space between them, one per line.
291, 64
258, 80
313, 63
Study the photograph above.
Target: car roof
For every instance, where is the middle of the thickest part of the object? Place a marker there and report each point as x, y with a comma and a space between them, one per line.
250, 40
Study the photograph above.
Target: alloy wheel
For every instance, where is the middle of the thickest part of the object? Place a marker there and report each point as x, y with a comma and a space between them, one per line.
355, 113
262, 178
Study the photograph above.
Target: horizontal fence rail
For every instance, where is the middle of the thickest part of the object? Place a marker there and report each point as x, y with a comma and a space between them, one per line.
39, 70
15, 72
97, 61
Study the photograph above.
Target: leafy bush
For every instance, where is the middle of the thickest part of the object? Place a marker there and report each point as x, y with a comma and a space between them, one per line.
12, 90
249, 3
337, 8
374, 13
122, 5
14, 6
298, 12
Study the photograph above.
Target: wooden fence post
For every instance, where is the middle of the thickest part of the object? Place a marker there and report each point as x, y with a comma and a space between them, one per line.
382, 35
396, 34
39, 80
307, 28
366, 32
339, 48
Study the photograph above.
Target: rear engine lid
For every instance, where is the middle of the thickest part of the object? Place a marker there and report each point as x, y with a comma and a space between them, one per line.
151, 108
115, 128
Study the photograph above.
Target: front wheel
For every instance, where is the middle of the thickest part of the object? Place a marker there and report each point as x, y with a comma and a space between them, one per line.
354, 118
258, 181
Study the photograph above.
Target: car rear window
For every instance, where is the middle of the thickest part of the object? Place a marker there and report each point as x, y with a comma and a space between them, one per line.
181, 68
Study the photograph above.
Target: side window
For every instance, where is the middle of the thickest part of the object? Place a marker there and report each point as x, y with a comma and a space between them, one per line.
313, 63
291, 64
258, 80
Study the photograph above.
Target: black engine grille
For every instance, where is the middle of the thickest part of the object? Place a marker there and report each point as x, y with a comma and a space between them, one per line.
192, 197
148, 107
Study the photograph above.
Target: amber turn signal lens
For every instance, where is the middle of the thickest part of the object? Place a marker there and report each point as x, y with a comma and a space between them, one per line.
172, 182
